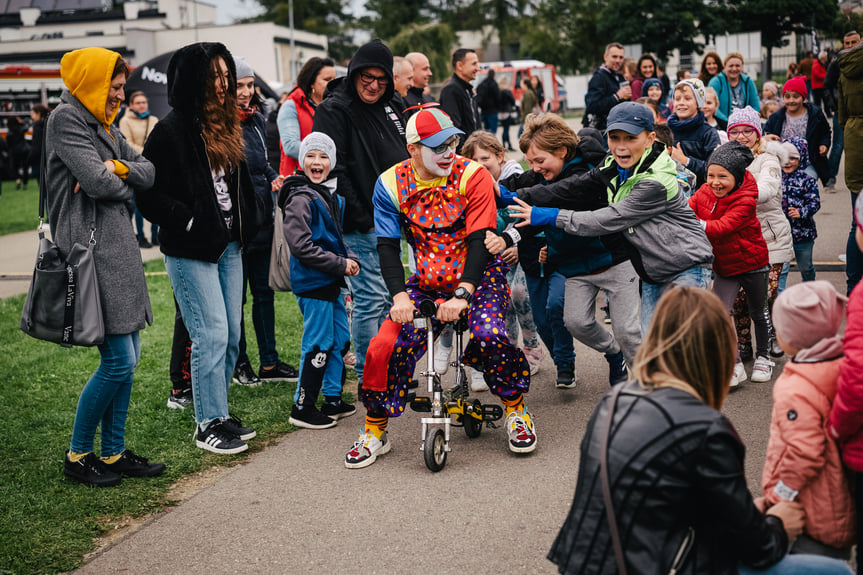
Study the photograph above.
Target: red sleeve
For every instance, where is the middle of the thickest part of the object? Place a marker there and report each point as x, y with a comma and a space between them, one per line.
739, 215
846, 417
481, 210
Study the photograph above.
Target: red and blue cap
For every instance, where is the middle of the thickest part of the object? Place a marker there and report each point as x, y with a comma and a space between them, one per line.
431, 127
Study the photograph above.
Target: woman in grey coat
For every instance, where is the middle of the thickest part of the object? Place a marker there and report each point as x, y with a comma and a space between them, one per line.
91, 174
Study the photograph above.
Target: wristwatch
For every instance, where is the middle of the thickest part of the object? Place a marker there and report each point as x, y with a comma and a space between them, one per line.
462, 293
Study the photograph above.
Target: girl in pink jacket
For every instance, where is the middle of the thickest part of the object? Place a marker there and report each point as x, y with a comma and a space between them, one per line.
803, 462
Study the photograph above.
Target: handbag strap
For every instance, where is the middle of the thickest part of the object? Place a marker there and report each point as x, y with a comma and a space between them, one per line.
606, 485
43, 165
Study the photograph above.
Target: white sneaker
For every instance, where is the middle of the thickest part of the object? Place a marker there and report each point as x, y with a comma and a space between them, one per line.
477, 381
762, 369
441, 358
365, 450
520, 431
739, 375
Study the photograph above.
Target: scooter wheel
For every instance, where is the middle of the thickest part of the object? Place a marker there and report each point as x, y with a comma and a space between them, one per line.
435, 451
472, 425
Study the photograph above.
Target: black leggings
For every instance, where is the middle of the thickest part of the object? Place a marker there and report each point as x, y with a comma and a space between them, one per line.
754, 284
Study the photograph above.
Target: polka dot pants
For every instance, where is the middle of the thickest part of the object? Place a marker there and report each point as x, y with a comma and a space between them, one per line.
394, 351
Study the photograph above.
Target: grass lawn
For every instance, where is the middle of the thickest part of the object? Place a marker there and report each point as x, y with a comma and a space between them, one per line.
19, 209
47, 523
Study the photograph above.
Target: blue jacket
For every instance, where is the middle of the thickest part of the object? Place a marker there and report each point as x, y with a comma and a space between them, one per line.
313, 231
723, 89
601, 96
255, 140
817, 134
697, 139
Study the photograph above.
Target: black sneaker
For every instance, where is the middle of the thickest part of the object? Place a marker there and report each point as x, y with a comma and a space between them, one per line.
235, 426
245, 375
338, 410
566, 378
310, 418
132, 465
279, 372
218, 439
775, 349
746, 353
90, 470
180, 399
143, 243
616, 368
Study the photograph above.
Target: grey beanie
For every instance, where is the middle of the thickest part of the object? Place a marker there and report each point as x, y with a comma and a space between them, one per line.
734, 157
321, 142
243, 68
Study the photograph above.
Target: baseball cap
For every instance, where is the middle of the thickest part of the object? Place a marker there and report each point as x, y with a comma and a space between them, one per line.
631, 117
431, 127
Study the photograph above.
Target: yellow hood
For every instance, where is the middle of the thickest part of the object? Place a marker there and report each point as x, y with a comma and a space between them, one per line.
87, 74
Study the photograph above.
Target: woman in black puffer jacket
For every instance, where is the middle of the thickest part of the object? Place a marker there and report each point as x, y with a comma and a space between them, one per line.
675, 464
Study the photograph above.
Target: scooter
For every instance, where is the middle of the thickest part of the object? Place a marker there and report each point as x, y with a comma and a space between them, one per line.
444, 405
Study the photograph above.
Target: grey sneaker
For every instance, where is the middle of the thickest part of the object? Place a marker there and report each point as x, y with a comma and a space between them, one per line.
245, 375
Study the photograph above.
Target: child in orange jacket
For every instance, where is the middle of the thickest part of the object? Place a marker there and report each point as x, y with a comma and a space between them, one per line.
803, 462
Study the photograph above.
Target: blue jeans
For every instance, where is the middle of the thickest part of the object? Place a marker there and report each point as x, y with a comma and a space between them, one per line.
803, 255
210, 297
783, 275
801, 565
837, 147
489, 122
853, 256
256, 271
698, 276
546, 301
372, 301
105, 398
325, 329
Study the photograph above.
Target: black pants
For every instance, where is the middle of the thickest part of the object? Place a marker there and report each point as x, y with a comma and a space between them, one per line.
181, 352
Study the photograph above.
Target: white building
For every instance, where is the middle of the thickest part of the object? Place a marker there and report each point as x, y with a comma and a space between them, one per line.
37, 33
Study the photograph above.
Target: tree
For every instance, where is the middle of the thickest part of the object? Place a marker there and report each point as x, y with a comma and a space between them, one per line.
659, 26
325, 17
394, 15
563, 33
434, 40
778, 18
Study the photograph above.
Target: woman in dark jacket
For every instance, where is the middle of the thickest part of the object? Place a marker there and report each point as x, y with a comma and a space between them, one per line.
205, 203
39, 115
256, 255
19, 151
675, 464
91, 172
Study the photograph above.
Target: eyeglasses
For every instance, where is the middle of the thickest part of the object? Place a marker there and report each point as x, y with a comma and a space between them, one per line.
450, 144
367, 79
741, 132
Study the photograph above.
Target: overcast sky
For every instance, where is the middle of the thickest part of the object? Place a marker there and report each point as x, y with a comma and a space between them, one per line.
230, 10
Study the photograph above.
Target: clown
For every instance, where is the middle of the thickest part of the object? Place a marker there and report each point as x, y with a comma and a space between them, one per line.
444, 203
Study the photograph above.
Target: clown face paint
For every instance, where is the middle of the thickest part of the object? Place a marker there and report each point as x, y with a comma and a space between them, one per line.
438, 164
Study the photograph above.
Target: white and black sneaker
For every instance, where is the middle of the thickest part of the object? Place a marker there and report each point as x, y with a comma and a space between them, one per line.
218, 439
235, 426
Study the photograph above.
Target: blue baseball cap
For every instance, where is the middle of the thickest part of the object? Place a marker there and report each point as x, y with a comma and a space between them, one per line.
631, 117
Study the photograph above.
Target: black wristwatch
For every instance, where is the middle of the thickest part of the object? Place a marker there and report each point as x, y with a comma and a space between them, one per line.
462, 293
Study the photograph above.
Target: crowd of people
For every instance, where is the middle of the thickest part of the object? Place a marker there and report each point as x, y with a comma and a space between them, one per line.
360, 164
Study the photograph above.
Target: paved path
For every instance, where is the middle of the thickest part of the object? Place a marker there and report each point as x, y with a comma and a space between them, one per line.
295, 508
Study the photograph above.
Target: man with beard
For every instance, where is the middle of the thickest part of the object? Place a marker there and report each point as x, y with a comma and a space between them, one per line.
444, 204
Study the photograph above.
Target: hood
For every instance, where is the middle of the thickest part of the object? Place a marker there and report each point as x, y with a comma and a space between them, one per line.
187, 76
87, 74
652, 82
851, 62
803, 148
592, 151
775, 148
374, 53
820, 368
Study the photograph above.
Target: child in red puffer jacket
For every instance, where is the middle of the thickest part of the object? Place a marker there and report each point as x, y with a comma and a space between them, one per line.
846, 416
726, 207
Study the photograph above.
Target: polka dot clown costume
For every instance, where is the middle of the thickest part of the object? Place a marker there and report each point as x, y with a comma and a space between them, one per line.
443, 203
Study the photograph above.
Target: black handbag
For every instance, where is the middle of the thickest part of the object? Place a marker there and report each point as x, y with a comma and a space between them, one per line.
63, 304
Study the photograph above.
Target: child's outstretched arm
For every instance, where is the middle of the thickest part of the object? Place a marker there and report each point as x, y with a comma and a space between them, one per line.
577, 192
802, 439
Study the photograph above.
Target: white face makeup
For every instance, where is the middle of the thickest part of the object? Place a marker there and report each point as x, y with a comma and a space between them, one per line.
440, 165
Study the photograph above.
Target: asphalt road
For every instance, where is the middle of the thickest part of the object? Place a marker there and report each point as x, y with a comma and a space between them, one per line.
295, 508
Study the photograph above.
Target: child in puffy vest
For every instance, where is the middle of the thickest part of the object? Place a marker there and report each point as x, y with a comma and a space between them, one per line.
803, 462
320, 260
725, 205
800, 201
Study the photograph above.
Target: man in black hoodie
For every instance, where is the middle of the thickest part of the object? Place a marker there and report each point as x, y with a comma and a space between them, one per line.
357, 113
